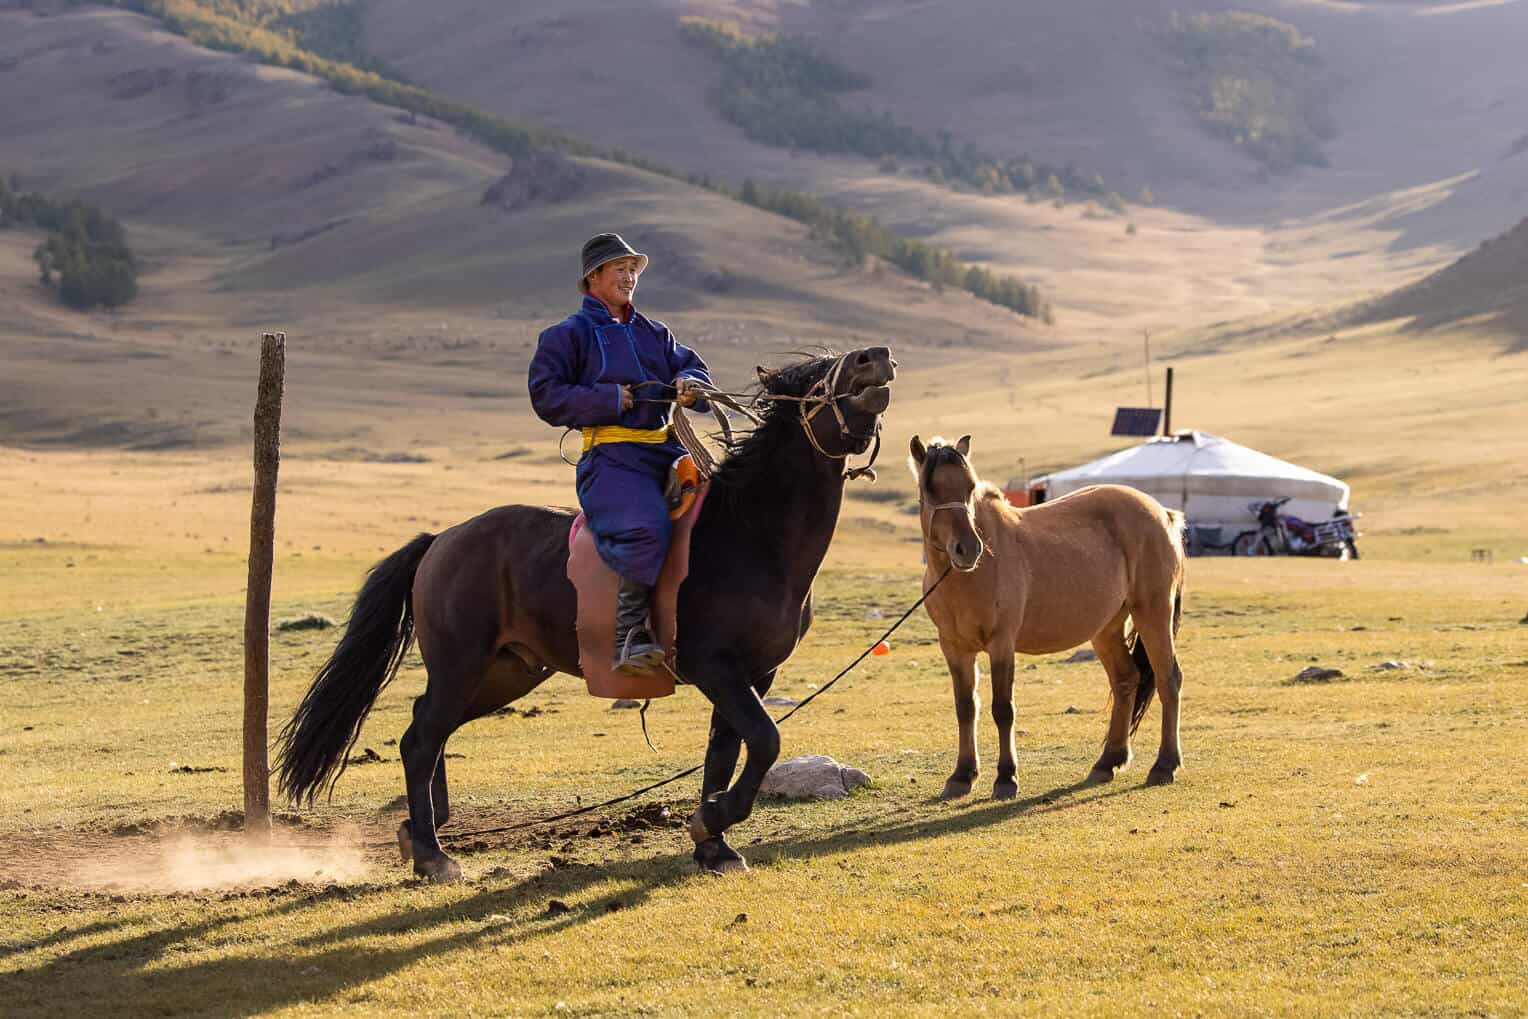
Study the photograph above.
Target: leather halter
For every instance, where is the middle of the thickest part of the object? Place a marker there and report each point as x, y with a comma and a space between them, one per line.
824, 393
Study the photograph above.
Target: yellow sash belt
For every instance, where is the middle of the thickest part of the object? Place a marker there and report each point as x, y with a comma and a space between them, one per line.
620, 433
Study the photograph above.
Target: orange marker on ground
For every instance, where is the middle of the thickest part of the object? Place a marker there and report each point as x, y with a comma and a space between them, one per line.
882, 648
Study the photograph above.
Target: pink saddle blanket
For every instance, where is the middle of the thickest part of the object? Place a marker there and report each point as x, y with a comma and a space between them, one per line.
596, 584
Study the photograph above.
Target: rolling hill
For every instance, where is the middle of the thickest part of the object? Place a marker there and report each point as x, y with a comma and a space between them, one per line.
1485, 292
1419, 165
261, 198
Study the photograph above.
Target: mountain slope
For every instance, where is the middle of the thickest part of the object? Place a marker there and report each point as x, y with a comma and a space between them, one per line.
1486, 290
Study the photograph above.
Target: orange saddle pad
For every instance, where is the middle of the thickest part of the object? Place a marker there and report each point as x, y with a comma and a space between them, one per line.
597, 584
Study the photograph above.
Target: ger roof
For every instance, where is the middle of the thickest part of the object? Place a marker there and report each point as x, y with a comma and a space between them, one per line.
1193, 454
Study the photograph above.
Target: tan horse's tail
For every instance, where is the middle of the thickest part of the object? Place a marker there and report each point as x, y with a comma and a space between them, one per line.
1148, 684
1178, 523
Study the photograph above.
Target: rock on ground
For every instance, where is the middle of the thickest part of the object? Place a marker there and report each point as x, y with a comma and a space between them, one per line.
811, 777
1083, 654
1316, 674
306, 621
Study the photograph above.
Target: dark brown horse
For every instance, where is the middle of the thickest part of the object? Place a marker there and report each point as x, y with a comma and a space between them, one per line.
491, 606
1046, 579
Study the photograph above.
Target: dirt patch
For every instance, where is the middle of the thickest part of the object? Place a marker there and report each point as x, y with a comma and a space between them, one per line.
631, 826
198, 854
173, 855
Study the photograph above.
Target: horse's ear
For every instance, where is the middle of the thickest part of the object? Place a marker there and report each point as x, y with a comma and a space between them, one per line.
763, 374
963, 445
917, 450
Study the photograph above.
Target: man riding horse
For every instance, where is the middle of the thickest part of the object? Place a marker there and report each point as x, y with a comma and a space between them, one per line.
493, 609
608, 370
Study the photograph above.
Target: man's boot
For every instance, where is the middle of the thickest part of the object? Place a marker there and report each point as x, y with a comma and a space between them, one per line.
636, 649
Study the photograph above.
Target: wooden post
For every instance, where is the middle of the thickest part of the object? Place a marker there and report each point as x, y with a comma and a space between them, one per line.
257, 598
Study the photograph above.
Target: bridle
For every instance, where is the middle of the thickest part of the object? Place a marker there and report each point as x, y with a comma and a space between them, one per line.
824, 393
964, 504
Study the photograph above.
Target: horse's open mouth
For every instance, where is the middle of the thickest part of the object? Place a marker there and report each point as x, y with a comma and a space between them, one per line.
871, 399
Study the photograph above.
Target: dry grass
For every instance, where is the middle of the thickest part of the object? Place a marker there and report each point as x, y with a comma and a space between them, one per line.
1348, 848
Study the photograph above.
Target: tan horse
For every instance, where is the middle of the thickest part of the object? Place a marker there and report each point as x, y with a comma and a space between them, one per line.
1045, 579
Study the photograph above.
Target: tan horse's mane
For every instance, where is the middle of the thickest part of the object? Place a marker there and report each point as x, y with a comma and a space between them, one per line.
985, 490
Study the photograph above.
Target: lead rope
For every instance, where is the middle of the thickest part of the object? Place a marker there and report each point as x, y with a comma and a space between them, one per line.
454, 836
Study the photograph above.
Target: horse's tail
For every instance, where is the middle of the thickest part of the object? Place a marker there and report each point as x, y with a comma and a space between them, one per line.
315, 744
1148, 684
1177, 523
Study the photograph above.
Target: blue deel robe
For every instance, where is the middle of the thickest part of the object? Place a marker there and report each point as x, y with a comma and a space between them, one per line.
575, 382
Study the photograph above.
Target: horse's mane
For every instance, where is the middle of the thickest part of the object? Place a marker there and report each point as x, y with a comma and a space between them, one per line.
759, 454
941, 452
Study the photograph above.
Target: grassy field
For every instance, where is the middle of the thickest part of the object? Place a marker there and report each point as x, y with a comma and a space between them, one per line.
1354, 847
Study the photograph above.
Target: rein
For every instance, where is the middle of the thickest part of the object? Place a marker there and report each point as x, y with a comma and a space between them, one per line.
824, 393
537, 822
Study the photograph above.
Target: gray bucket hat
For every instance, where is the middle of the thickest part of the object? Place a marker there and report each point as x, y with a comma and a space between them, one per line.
602, 248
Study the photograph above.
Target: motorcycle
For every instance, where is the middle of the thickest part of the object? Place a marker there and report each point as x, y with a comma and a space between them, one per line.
1285, 534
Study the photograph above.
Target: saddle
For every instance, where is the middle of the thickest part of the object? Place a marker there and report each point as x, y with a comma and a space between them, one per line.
596, 584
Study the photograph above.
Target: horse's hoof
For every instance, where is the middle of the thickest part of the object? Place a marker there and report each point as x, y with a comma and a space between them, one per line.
406, 842
1099, 776
715, 857
1005, 790
1160, 776
725, 867
954, 789
438, 871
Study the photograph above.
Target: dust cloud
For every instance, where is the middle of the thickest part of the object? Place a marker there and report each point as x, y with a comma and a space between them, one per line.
218, 861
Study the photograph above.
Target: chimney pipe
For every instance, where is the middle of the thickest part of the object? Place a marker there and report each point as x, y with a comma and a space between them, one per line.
1167, 409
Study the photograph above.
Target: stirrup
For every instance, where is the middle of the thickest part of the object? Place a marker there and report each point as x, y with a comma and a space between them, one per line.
639, 656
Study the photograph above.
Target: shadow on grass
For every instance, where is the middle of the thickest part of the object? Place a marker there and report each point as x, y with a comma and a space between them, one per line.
144, 971
58, 937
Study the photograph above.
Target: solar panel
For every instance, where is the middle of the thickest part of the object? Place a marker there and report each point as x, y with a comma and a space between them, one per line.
1136, 421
